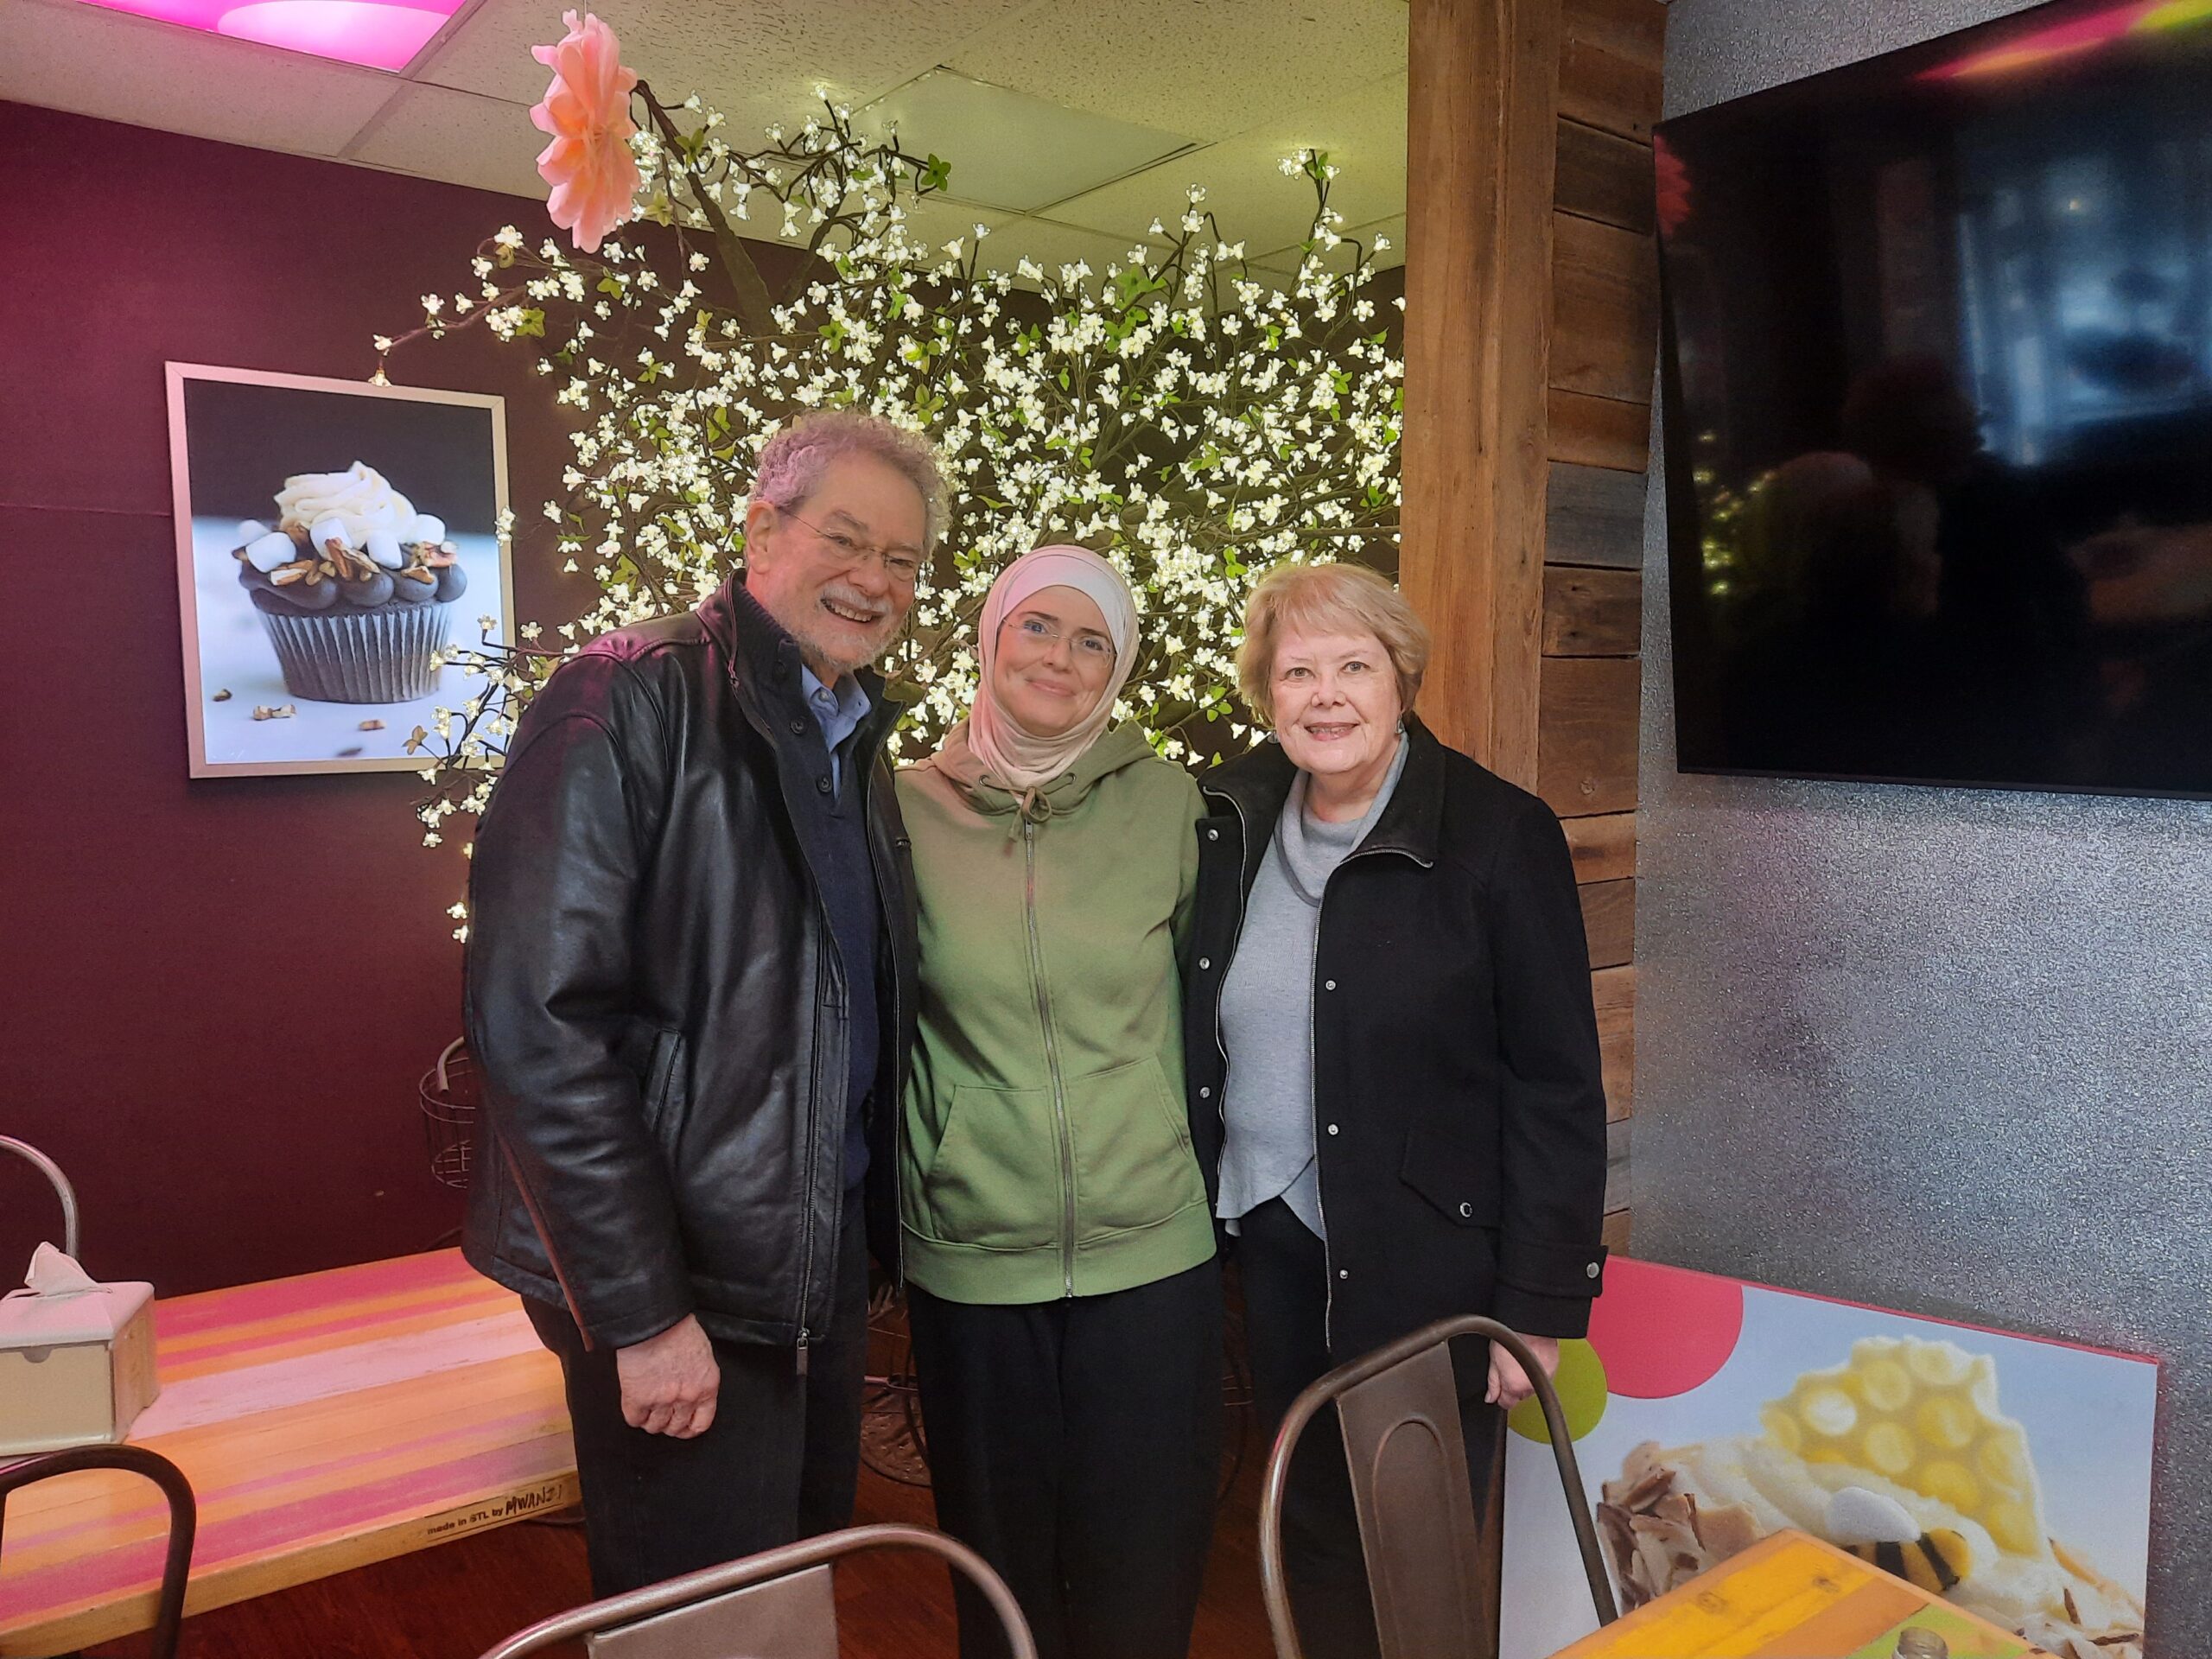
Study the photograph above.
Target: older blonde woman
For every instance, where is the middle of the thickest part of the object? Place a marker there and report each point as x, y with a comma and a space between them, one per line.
1392, 1055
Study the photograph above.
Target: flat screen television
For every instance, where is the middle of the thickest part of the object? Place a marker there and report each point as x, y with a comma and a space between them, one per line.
1938, 411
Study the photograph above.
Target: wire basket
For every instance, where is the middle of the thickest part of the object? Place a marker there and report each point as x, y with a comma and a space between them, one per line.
452, 1093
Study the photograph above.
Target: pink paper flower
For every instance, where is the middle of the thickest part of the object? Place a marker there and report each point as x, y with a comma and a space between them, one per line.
587, 109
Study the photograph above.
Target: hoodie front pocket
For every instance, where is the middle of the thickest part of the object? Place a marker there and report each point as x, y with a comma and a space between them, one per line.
1134, 1166
996, 1179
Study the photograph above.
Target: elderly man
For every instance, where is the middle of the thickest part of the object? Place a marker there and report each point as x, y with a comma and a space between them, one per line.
690, 989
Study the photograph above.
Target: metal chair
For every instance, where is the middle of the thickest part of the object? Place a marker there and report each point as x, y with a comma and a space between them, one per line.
778, 1604
184, 1517
1399, 1409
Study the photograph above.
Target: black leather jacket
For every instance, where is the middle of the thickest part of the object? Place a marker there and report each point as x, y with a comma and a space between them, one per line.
1459, 1115
654, 999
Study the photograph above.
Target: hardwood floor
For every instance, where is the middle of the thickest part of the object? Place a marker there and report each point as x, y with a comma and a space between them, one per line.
456, 1600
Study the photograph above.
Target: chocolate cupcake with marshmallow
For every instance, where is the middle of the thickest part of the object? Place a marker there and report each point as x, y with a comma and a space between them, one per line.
353, 586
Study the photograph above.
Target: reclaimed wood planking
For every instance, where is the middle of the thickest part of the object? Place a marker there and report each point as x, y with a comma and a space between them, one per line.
1604, 176
1482, 123
1609, 919
1592, 612
1605, 309
1603, 848
1594, 516
1598, 431
1610, 62
1614, 992
1588, 753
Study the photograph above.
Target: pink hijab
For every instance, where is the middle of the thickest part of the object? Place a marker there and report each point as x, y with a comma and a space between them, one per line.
1011, 757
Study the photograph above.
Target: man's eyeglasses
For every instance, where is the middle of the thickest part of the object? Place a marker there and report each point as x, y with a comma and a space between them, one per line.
902, 564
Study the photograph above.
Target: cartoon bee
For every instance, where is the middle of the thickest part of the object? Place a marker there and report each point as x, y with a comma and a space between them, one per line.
1877, 1531
1935, 1561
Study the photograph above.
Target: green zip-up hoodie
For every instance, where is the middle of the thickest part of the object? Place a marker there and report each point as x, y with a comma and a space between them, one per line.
1047, 1147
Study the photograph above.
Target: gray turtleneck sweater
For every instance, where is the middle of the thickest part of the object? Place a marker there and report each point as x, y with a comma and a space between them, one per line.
1267, 1012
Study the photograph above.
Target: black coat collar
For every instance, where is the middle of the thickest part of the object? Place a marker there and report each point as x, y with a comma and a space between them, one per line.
1256, 784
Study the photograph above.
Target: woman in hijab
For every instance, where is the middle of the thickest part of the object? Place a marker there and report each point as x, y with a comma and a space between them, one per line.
1058, 1251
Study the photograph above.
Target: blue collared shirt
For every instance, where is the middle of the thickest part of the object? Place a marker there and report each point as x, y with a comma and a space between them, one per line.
838, 710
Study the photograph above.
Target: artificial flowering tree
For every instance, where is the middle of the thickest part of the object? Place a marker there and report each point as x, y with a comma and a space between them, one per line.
1194, 419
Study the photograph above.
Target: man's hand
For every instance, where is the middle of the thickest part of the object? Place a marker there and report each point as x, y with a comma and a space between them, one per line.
669, 1381
1508, 1383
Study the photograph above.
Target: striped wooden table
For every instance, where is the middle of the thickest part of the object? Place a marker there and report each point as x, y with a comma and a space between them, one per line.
1791, 1597
324, 1422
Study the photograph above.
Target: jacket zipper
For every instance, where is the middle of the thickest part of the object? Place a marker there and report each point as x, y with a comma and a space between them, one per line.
1221, 985
897, 1105
806, 1255
1051, 1057
813, 1148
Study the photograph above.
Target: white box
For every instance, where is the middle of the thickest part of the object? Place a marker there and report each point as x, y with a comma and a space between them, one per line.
75, 1368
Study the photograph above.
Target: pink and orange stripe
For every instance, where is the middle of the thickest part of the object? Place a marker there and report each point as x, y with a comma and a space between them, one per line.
325, 1421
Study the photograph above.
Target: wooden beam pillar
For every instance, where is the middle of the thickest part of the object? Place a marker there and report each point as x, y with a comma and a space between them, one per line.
1483, 98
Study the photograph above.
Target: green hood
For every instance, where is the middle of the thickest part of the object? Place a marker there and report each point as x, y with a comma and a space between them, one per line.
1116, 751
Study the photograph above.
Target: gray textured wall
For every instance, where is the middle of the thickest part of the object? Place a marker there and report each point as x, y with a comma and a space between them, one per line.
1948, 1051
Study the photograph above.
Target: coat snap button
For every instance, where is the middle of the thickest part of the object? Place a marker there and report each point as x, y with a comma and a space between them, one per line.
1205, 962
821, 786
1466, 1208
1332, 1128
1206, 1093
1213, 834
1328, 984
1590, 1272
798, 728
1344, 1272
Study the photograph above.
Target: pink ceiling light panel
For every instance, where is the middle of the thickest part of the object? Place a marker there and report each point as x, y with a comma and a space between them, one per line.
366, 31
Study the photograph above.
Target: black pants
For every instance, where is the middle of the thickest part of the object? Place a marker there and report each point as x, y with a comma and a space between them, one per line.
781, 1462
1075, 1445
1285, 1273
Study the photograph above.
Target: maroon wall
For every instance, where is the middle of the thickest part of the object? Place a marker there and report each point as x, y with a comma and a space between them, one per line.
216, 997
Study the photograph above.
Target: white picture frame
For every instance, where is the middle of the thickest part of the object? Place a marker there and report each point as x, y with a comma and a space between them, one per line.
268, 697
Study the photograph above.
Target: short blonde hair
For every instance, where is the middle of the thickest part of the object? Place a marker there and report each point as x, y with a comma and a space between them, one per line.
1327, 599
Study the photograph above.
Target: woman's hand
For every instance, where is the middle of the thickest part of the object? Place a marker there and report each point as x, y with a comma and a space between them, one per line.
1508, 1383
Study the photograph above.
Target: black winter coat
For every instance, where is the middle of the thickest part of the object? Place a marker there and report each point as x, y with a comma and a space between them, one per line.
655, 1000
1459, 1119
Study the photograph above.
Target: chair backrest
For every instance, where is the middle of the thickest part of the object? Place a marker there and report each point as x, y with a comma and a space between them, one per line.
184, 1517
1399, 1408
778, 1604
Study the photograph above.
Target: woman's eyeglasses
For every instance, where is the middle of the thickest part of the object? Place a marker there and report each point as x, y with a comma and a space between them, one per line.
1043, 633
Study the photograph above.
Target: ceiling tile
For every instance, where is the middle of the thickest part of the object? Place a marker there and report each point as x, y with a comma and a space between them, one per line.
1364, 131
434, 131
757, 62
1209, 69
1013, 150
92, 61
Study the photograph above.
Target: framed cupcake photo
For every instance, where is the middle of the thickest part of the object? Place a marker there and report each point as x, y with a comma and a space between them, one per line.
337, 542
